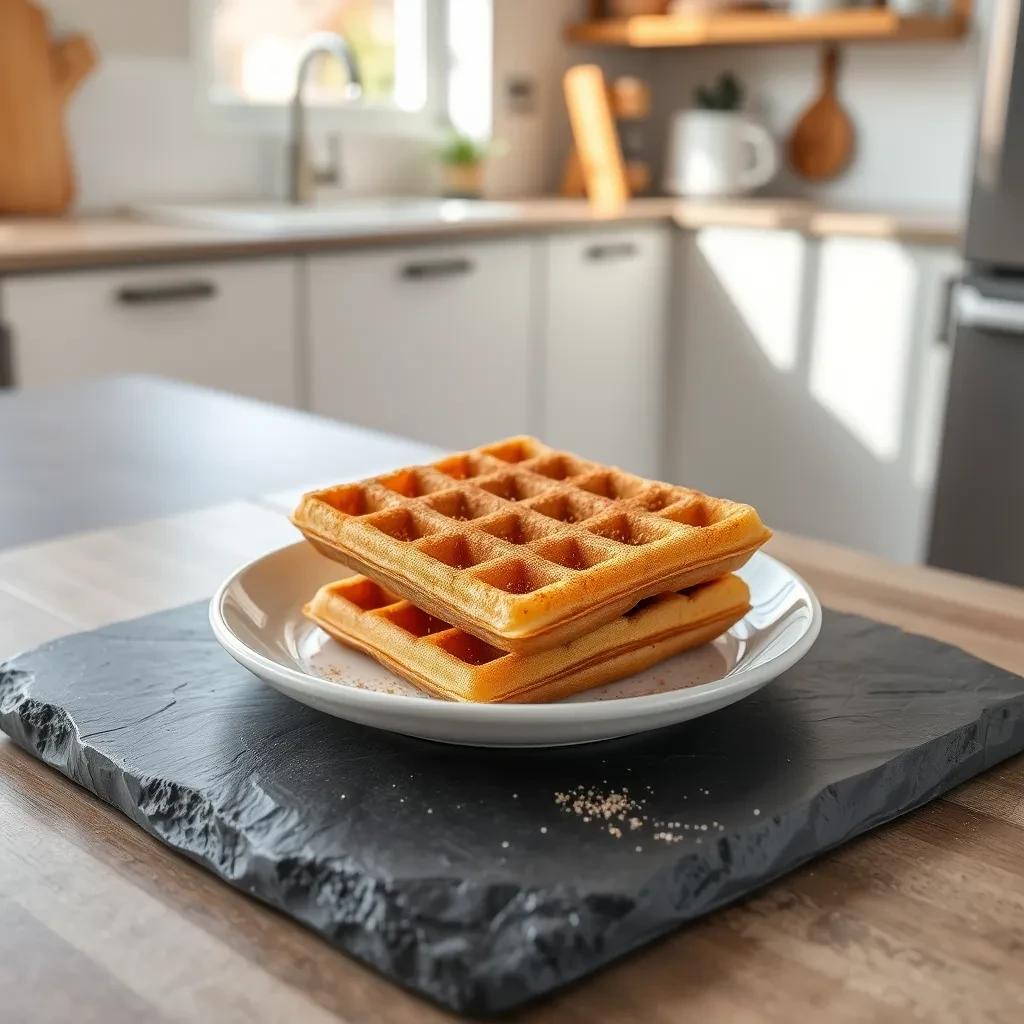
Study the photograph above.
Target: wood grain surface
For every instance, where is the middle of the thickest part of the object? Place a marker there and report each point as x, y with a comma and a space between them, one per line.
822, 142
921, 919
30, 245
37, 78
733, 26
596, 137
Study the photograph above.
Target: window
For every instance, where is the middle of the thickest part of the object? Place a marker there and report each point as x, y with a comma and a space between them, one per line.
469, 32
422, 62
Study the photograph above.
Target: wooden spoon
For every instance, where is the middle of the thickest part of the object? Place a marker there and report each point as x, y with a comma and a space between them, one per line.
822, 141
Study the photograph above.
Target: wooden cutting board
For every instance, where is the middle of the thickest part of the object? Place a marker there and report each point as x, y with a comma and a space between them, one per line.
37, 77
602, 169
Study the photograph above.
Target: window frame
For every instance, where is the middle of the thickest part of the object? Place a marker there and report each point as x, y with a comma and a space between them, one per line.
272, 119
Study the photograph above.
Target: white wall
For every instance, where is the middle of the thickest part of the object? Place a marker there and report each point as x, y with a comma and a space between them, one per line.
528, 43
135, 130
140, 28
138, 135
913, 108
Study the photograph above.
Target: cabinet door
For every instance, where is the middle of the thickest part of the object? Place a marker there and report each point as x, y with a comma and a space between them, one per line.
606, 316
430, 342
878, 376
223, 325
733, 372
810, 381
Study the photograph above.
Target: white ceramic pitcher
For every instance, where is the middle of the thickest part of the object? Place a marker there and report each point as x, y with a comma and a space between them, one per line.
717, 153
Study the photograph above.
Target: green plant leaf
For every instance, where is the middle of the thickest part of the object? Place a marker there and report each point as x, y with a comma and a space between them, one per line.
461, 150
726, 93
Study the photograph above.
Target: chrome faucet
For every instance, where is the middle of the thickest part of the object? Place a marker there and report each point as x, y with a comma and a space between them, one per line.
303, 176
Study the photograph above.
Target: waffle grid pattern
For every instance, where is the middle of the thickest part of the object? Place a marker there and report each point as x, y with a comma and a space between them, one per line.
521, 519
453, 663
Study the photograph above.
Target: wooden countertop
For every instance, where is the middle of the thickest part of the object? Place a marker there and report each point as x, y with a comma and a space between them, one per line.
920, 919
35, 244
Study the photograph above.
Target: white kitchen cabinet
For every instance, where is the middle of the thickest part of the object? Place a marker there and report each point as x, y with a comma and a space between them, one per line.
605, 318
224, 325
809, 378
433, 342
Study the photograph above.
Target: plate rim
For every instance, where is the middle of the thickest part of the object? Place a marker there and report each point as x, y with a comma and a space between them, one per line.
588, 711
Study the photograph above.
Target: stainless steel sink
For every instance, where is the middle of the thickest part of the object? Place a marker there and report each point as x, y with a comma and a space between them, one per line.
349, 215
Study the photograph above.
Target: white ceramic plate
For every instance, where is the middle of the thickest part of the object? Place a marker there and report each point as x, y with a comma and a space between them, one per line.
256, 616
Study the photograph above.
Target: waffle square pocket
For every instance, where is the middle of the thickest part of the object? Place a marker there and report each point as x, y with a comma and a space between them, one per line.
450, 663
526, 547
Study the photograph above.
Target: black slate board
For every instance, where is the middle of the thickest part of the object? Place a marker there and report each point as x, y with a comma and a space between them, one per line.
456, 872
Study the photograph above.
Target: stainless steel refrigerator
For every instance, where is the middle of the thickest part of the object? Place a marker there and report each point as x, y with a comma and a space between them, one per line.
978, 522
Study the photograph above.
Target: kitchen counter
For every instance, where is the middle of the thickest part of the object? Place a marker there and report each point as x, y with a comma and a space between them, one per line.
36, 244
918, 919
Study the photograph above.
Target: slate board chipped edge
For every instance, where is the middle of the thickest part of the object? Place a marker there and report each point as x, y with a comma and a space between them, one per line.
522, 945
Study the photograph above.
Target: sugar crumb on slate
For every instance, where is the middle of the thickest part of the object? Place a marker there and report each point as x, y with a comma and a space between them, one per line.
617, 812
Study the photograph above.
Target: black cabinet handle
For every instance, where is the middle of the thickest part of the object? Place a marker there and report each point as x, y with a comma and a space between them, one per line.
180, 291
6, 358
612, 251
946, 327
436, 268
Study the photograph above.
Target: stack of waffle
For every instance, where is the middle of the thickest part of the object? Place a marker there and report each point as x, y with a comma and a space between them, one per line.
517, 573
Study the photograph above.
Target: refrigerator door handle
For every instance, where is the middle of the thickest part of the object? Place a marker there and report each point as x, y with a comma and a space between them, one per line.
995, 117
988, 314
946, 326
6, 357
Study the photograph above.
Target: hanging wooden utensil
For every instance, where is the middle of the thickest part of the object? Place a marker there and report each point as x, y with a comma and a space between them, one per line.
822, 141
37, 77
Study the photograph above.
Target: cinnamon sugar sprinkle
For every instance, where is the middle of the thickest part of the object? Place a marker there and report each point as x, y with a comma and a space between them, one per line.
616, 811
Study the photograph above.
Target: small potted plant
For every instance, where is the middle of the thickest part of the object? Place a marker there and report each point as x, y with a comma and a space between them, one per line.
715, 149
726, 93
462, 161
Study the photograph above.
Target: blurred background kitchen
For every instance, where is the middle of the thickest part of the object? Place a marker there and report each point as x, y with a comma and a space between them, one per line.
731, 245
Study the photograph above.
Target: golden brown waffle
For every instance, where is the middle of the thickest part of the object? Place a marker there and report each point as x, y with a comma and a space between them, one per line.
451, 663
526, 547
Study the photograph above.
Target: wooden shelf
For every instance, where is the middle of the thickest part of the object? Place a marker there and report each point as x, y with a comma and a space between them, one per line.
739, 28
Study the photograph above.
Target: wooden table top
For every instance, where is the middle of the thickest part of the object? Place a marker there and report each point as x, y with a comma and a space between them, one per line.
922, 918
